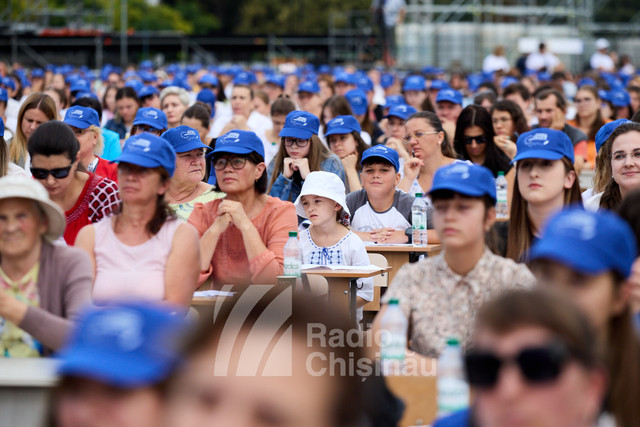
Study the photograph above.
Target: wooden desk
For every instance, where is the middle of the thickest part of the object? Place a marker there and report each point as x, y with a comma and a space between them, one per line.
420, 397
342, 285
398, 255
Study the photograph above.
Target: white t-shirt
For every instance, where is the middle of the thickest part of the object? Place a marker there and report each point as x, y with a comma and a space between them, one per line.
495, 63
348, 251
365, 218
602, 61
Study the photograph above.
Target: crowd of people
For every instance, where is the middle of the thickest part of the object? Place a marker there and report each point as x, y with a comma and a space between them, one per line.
124, 191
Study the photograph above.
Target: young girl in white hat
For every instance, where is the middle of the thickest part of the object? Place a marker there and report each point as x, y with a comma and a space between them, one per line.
328, 241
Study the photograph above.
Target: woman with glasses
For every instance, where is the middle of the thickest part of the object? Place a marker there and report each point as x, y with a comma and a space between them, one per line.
85, 124
187, 187
143, 252
588, 118
589, 257
242, 236
427, 144
84, 197
300, 153
509, 122
617, 166
343, 137
534, 361
473, 141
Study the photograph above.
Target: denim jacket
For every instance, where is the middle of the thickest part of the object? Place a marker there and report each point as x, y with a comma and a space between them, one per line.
288, 189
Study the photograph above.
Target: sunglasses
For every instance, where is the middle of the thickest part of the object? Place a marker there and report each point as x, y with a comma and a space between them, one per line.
57, 173
538, 365
478, 139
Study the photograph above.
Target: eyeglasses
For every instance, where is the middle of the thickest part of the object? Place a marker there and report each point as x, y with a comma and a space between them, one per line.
144, 128
417, 135
78, 131
236, 163
300, 143
538, 365
57, 173
622, 157
499, 120
481, 139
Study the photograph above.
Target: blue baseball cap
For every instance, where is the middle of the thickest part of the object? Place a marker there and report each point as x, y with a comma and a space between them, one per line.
543, 143
343, 77
127, 346
147, 91
414, 82
324, 69
86, 95
37, 73
81, 117
393, 100
80, 85
239, 142
244, 78
1, 128
365, 84
438, 85
401, 111
8, 82
449, 95
275, 80
206, 96
466, 179
508, 80
619, 98
588, 242
300, 124
150, 116
4, 95
134, 84
606, 130
358, 101
208, 79
387, 80
586, 81
183, 139
383, 152
342, 125
310, 86
149, 151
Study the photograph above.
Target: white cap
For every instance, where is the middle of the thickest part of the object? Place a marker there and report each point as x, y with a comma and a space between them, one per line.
602, 44
323, 184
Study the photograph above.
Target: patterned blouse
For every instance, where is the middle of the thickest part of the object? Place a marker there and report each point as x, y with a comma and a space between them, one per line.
441, 304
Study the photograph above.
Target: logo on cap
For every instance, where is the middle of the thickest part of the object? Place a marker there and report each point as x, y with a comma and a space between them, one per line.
338, 122
381, 148
538, 138
300, 120
76, 114
356, 99
189, 134
123, 325
150, 114
578, 223
232, 137
461, 169
142, 143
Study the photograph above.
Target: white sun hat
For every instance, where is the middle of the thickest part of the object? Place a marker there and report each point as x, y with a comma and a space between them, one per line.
22, 187
324, 184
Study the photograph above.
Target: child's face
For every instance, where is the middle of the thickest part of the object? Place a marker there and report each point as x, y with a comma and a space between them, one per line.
319, 209
596, 294
342, 145
379, 179
461, 221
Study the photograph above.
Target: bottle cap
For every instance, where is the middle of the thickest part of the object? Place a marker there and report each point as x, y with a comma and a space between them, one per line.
393, 301
418, 194
453, 341
293, 234
500, 173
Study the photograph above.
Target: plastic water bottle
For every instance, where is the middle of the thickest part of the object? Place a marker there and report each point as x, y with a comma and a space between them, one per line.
453, 390
501, 196
393, 340
419, 221
292, 256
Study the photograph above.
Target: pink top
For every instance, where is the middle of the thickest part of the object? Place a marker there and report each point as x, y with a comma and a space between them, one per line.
126, 272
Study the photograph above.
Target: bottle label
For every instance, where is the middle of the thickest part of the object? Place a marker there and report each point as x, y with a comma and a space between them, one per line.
419, 221
453, 395
393, 347
502, 195
292, 267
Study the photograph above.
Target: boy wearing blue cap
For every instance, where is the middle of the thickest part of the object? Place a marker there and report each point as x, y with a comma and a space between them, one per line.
414, 90
380, 213
590, 256
441, 295
309, 97
149, 119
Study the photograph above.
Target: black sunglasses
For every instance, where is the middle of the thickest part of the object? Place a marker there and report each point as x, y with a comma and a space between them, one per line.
58, 173
538, 365
481, 139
